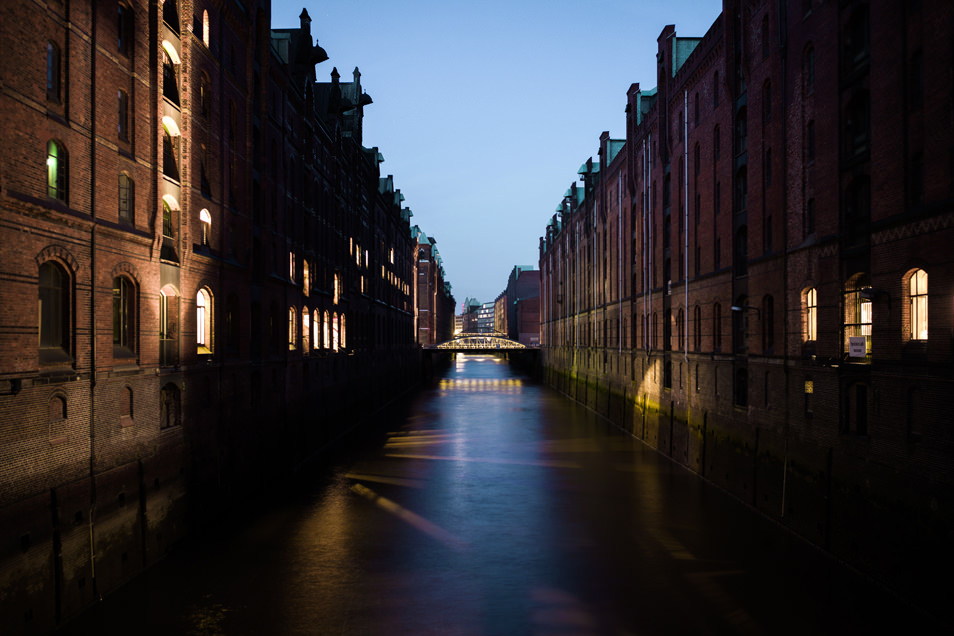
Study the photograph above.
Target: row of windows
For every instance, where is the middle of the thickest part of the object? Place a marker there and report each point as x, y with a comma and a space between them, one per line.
169, 410
321, 330
857, 319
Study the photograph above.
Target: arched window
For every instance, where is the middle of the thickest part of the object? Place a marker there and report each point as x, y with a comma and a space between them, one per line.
205, 28
305, 330
344, 333
126, 200
337, 288
57, 171
205, 96
856, 126
810, 315
918, 305
316, 329
335, 343
741, 131
326, 331
305, 277
292, 327
52, 72
124, 318
205, 222
55, 329
203, 320
170, 152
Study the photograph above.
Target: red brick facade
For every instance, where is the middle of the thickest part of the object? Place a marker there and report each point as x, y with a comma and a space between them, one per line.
781, 186
219, 266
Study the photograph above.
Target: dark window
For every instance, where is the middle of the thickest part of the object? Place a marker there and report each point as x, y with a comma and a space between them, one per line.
740, 200
741, 387
767, 168
768, 325
857, 215
767, 102
124, 29
204, 96
170, 79
170, 152
123, 108
741, 256
169, 401
717, 327
52, 72
54, 308
810, 217
716, 144
917, 178
126, 199
741, 132
124, 317
717, 198
810, 70
856, 40
856, 125
810, 140
766, 43
916, 80
715, 89
170, 15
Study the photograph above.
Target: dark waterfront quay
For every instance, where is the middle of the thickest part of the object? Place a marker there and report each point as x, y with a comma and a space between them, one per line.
496, 506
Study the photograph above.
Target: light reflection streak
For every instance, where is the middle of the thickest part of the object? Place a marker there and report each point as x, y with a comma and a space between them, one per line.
551, 463
383, 479
414, 519
507, 385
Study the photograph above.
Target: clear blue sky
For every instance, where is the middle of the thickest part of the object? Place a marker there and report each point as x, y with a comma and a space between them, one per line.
484, 111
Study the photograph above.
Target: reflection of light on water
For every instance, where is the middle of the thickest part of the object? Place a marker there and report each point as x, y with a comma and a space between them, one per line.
507, 385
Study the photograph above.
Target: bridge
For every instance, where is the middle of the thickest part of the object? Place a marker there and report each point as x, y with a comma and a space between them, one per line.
479, 343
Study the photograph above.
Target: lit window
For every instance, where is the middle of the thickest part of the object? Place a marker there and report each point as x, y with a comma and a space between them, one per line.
291, 266
306, 278
326, 332
205, 220
292, 327
858, 317
343, 333
203, 319
205, 28
334, 332
57, 170
810, 303
918, 295
337, 289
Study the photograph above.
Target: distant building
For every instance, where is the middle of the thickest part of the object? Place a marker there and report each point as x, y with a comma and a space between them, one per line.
469, 315
517, 308
434, 303
485, 318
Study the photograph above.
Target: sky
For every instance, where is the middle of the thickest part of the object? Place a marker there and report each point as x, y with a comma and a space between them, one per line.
484, 111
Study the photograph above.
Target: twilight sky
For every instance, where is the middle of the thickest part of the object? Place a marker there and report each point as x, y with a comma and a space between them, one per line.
484, 111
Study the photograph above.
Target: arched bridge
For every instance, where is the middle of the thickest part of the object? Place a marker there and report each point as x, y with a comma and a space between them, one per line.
479, 343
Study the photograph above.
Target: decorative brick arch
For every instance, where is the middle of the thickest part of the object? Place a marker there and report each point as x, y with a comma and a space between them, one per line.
128, 269
58, 253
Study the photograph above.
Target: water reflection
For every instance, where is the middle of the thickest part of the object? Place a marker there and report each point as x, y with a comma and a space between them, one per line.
498, 507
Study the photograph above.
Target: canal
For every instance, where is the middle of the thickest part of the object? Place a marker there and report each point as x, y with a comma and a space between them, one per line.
491, 505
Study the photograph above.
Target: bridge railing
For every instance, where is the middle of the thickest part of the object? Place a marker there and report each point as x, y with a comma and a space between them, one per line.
479, 342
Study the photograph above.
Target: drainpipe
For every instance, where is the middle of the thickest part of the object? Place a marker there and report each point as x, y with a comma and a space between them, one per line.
649, 252
685, 228
92, 310
619, 257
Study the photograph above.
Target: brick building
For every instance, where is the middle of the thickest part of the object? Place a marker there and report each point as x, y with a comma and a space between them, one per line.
757, 280
206, 278
517, 308
434, 303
